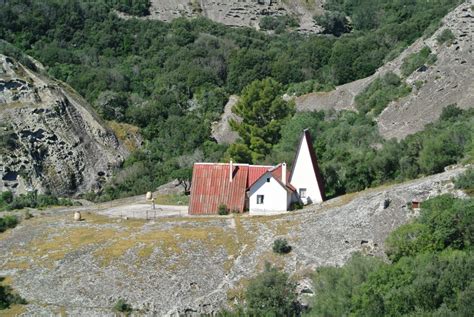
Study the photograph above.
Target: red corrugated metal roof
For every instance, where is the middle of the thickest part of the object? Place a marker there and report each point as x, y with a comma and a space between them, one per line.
255, 172
211, 187
276, 172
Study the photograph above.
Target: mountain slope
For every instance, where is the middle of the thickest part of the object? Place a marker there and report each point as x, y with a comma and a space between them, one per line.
53, 142
447, 81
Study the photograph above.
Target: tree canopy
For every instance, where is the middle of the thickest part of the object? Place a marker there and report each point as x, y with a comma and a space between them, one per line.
263, 111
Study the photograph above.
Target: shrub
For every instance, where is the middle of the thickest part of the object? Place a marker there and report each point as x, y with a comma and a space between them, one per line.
278, 23
6, 197
334, 287
334, 22
7, 297
296, 205
136, 7
122, 306
414, 61
446, 36
223, 210
466, 181
281, 246
33, 200
380, 93
271, 294
7, 222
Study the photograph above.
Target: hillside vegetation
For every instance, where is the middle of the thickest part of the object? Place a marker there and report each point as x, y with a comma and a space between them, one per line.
430, 272
173, 79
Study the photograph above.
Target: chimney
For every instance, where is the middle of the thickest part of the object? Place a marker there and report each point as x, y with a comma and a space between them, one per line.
283, 173
231, 171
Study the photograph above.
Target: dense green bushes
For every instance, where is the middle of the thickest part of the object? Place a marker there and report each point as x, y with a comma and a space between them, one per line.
466, 181
122, 306
446, 36
7, 297
416, 60
444, 222
31, 200
432, 273
281, 246
271, 294
353, 156
8, 222
380, 92
133, 7
334, 22
263, 111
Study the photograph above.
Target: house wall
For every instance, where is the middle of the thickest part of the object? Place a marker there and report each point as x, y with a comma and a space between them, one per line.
303, 176
276, 197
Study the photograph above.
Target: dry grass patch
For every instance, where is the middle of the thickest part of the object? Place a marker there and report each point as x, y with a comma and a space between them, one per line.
13, 310
340, 201
172, 199
128, 134
246, 233
173, 243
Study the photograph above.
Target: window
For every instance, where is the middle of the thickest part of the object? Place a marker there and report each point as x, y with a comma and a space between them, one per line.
268, 179
302, 192
259, 199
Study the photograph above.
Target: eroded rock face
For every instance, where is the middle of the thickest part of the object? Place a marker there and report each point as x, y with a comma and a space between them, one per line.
52, 141
237, 12
446, 82
221, 130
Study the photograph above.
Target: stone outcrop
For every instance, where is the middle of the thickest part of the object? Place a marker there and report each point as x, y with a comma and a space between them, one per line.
53, 141
237, 12
446, 82
221, 130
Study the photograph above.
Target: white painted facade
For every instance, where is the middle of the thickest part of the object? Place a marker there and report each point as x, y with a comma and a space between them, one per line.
276, 198
303, 176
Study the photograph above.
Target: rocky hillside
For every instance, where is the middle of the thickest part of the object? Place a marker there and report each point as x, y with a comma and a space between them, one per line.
238, 12
51, 140
447, 81
185, 265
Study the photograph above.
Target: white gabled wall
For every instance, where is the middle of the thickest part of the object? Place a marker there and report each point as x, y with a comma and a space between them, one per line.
303, 175
275, 196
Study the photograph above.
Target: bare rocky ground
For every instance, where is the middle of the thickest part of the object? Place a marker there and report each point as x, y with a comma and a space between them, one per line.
221, 130
237, 12
189, 265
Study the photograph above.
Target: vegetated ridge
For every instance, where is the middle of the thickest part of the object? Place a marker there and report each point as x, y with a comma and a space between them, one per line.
51, 139
447, 81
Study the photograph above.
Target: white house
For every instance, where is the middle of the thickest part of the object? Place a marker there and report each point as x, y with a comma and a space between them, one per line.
276, 190
271, 192
260, 189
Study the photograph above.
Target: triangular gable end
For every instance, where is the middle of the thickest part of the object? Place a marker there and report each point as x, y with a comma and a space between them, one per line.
305, 171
